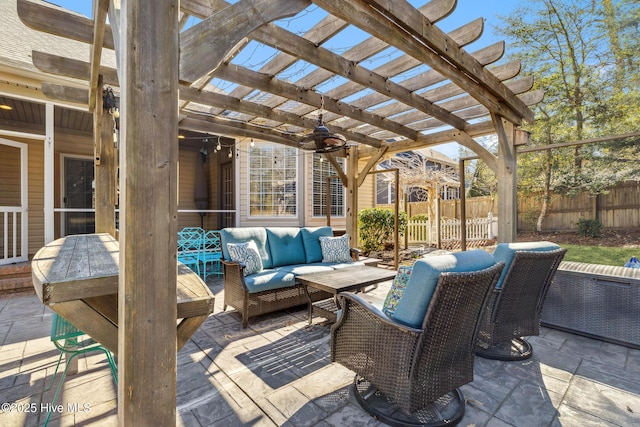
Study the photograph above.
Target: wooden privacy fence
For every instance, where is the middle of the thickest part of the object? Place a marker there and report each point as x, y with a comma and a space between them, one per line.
619, 209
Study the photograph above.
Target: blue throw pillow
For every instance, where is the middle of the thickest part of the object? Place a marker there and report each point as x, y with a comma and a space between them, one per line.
285, 245
398, 286
311, 241
335, 249
246, 253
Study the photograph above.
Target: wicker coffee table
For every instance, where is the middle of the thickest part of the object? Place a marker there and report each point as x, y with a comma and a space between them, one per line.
341, 280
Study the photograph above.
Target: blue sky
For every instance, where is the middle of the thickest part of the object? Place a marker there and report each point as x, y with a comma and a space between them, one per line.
465, 11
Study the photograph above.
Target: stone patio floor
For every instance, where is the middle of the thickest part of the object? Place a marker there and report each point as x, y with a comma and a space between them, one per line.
278, 372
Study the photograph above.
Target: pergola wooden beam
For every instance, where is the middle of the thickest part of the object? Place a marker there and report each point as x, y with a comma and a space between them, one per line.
226, 127
63, 24
434, 11
421, 82
74, 68
463, 35
295, 45
227, 27
246, 77
234, 104
100, 11
362, 15
65, 93
404, 16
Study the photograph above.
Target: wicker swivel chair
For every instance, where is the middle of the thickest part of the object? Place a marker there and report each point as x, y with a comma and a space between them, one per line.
409, 375
516, 303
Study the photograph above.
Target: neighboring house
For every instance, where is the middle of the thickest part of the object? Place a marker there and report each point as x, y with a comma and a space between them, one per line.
423, 174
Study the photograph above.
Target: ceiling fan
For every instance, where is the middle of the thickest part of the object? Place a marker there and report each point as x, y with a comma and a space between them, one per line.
321, 140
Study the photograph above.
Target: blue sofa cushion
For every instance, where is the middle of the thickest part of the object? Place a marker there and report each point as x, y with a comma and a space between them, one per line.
246, 253
507, 251
299, 269
311, 241
268, 280
398, 287
285, 246
413, 305
335, 249
244, 234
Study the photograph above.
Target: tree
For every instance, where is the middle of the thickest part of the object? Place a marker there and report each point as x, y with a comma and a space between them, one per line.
422, 176
584, 56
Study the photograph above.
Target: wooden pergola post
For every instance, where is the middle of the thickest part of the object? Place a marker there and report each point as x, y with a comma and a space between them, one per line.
507, 180
106, 165
351, 224
148, 71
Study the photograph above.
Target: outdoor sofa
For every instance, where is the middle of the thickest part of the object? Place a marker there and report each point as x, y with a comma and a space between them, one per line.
261, 265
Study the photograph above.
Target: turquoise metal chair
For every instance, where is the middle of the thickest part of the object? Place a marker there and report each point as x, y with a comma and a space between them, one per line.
211, 254
189, 248
65, 337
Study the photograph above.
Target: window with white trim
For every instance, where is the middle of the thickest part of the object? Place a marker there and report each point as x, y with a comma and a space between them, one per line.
272, 180
322, 169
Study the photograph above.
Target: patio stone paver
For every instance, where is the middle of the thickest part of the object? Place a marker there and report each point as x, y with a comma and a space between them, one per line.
278, 372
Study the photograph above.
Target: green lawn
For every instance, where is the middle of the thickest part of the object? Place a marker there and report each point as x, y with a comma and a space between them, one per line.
599, 254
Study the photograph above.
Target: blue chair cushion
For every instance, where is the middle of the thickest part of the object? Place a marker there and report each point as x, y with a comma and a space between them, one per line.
398, 287
311, 241
247, 253
335, 249
413, 304
285, 246
507, 251
244, 234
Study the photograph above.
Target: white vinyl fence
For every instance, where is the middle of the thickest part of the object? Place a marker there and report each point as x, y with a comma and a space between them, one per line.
478, 229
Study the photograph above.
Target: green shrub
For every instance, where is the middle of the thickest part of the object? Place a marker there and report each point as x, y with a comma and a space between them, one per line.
375, 226
420, 217
589, 227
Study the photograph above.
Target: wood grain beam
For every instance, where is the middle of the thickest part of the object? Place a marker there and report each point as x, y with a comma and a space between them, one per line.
489, 158
204, 46
434, 11
63, 24
422, 81
74, 68
100, 10
362, 15
322, 57
463, 35
234, 104
404, 15
65, 93
244, 76
227, 127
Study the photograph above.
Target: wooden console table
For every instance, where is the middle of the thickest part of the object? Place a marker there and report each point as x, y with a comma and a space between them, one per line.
77, 277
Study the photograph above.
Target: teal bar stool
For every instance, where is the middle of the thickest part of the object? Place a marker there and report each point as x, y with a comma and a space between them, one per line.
65, 337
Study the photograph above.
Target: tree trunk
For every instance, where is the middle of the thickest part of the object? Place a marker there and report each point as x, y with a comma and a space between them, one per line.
614, 42
546, 196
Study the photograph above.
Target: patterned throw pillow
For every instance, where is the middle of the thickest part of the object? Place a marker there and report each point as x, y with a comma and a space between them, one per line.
246, 253
397, 290
335, 249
